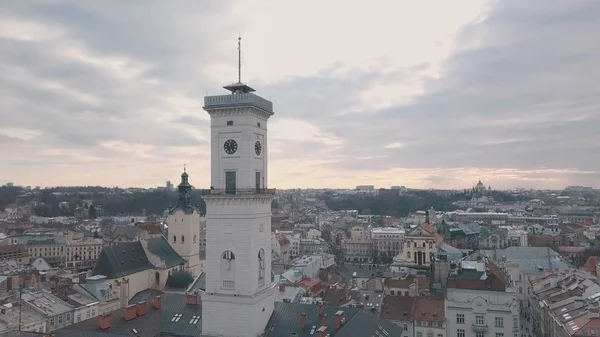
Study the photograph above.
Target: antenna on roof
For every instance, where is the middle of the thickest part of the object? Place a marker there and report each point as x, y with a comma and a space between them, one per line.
239, 59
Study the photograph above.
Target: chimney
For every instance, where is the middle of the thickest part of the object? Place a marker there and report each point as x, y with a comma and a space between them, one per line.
340, 319
129, 312
9, 283
157, 302
104, 321
191, 299
321, 310
140, 309
82, 278
303, 321
325, 320
322, 332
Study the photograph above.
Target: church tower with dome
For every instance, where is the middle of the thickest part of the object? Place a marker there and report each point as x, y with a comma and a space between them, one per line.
183, 222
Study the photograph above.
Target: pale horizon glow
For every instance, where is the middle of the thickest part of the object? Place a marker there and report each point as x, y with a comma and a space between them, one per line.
422, 94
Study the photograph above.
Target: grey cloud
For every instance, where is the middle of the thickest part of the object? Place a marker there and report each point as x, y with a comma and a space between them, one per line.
527, 73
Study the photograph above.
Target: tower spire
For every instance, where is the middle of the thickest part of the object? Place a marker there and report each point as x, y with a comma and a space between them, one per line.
239, 87
239, 59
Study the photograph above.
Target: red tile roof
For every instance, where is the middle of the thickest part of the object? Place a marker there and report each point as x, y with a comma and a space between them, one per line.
590, 264
429, 308
570, 249
397, 308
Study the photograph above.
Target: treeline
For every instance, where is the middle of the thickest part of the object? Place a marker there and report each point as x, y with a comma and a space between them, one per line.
8, 195
397, 206
135, 203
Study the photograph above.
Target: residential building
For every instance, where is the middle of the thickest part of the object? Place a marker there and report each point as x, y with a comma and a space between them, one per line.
82, 253
357, 250
359, 233
429, 318
16, 252
51, 247
387, 242
480, 300
57, 312
398, 310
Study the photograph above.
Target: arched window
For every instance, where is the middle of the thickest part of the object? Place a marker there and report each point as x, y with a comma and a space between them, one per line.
430, 245
261, 267
174, 239
182, 239
194, 238
408, 254
228, 270
520, 290
423, 244
415, 244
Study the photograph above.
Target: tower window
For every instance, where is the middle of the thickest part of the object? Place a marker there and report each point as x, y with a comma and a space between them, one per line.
182, 239
229, 122
194, 238
174, 239
261, 267
258, 124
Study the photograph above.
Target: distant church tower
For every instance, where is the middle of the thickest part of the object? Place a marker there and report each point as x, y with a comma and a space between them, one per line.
184, 227
239, 299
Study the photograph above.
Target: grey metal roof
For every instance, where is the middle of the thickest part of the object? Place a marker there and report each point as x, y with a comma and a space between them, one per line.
144, 296
161, 248
286, 320
121, 260
130, 232
530, 259
199, 283
155, 322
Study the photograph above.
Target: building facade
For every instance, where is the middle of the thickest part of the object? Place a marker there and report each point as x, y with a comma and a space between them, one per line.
419, 248
480, 301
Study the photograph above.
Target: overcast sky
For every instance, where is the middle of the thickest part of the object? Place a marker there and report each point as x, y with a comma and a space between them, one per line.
426, 94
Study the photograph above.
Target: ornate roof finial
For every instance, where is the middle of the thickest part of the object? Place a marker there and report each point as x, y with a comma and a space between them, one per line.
239, 59
184, 167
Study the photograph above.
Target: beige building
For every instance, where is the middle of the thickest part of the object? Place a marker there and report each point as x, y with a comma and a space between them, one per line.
82, 253
419, 248
387, 242
359, 233
49, 246
357, 250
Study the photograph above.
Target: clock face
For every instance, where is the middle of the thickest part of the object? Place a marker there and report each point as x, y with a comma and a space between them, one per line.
257, 148
230, 146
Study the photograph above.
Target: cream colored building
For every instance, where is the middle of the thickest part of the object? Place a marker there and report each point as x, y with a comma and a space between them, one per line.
359, 233
51, 247
387, 241
419, 248
357, 250
82, 253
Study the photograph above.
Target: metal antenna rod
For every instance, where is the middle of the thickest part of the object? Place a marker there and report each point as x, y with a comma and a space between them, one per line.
239, 59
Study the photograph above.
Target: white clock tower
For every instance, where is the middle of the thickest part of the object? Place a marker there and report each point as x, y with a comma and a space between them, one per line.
238, 300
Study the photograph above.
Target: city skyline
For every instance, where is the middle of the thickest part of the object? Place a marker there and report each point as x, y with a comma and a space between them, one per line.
502, 92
